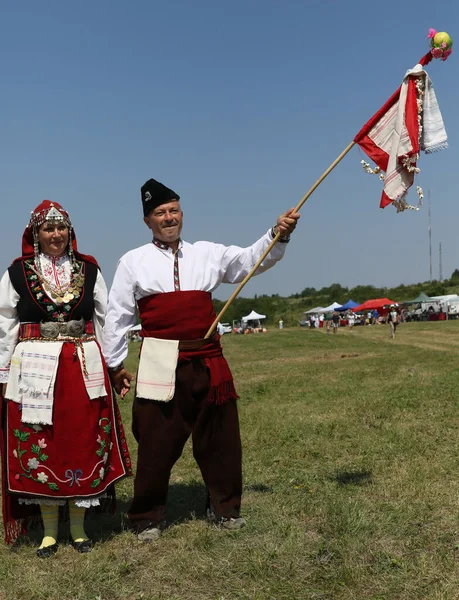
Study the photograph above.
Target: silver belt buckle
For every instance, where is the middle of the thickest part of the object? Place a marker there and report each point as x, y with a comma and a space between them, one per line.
49, 329
74, 328
54, 329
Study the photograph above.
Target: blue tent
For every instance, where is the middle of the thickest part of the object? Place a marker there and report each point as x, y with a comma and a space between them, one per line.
349, 304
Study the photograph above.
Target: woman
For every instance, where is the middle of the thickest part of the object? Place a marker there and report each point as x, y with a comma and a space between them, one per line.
62, 437
351, 320
393, 319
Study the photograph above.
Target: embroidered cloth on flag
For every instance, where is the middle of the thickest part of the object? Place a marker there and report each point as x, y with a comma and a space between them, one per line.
156, 375
433, 134
31, 380
95, 378
410, 121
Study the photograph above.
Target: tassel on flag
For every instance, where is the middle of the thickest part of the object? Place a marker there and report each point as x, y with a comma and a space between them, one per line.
410, 121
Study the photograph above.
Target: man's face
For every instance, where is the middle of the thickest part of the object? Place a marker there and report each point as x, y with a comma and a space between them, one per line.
166, 221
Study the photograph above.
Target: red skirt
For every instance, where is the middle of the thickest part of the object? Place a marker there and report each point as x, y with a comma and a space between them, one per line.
81, 455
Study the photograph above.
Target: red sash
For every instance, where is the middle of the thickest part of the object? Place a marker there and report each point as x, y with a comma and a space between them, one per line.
188, 316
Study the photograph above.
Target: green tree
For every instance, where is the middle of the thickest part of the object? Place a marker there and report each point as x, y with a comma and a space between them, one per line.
308, 291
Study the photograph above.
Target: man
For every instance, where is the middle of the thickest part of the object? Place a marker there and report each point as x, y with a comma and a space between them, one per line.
184, 385
335, 321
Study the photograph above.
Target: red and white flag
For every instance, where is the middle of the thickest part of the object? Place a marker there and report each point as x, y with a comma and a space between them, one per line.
410, 121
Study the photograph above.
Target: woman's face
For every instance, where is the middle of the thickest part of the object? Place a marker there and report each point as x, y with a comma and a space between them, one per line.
53, 238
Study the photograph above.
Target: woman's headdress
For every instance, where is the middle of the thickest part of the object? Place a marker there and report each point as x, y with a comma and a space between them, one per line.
51, 212
48, 212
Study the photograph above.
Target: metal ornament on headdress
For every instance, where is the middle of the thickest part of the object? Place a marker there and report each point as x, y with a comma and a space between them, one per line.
50, 214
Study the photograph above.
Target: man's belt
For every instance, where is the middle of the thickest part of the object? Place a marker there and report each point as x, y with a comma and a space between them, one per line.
55, 329
196, 344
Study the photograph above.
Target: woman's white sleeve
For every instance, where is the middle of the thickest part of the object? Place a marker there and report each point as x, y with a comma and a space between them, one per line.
9, 324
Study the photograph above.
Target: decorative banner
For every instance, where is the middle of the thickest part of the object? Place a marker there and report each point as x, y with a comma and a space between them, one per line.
410, 121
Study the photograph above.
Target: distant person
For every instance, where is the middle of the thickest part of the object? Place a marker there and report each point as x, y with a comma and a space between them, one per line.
328, 322
393, 320
335, 321
351, 320
281, 323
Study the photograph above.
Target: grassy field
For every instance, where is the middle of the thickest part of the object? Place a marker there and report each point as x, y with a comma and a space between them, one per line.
351, 484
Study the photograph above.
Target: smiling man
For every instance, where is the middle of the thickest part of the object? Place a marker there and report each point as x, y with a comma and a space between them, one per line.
184, 385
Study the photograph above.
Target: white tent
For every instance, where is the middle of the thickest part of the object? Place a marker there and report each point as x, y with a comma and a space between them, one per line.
317, 309
322, 309
440, 302
445, 298
332, 307
253, 316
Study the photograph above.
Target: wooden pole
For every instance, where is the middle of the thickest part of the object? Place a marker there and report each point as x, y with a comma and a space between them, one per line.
271, 245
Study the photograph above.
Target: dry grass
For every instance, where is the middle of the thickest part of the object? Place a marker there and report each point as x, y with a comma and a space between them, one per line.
351, 484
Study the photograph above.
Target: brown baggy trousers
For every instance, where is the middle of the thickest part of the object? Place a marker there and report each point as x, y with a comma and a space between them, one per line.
162, 429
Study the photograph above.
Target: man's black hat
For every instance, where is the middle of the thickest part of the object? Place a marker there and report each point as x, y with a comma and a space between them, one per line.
154, 194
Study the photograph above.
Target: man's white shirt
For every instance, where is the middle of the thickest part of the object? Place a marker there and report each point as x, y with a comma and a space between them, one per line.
149, 270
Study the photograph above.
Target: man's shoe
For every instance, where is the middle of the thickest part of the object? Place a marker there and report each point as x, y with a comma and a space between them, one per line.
230, 523
47, 551
151, 533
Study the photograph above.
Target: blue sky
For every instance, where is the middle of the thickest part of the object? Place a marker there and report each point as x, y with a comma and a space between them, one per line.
239, 107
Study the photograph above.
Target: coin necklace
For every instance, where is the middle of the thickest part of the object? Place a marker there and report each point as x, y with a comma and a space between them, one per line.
60, 294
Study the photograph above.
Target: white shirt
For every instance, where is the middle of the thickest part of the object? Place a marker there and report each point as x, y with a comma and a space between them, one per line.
149, 270
55, 271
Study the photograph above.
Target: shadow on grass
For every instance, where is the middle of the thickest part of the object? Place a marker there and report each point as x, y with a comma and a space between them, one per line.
185, 501
353, 477
258, 487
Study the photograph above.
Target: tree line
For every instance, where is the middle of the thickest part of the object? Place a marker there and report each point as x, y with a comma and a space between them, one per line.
291, 309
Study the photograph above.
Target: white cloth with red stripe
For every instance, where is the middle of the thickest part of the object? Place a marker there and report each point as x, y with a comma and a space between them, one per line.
405, 125
432, 136
33, 372
156, 375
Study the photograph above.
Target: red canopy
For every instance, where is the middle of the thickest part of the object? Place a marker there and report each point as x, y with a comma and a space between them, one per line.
377, 303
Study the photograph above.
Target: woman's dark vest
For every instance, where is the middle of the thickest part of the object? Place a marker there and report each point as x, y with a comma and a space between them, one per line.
35, 305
